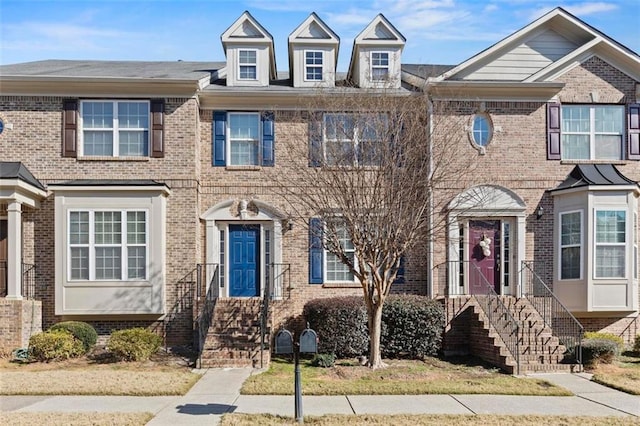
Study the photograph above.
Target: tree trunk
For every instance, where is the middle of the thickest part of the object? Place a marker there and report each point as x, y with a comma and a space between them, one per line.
375, 335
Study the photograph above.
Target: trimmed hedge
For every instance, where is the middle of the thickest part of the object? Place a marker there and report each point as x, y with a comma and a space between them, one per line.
134, 344
53, 345
606, 336
341, 324
81, 331
596, 351
411, 326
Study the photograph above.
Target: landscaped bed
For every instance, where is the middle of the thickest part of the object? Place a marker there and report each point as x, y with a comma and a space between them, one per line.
402, 377
623, 374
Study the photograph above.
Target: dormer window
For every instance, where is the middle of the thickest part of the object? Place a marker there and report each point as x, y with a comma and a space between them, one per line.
247, 60
313, 65
379, 65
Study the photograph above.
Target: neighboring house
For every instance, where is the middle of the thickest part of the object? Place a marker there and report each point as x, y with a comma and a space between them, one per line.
141, 191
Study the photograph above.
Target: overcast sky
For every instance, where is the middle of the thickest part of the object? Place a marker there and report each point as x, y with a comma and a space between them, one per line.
437, 31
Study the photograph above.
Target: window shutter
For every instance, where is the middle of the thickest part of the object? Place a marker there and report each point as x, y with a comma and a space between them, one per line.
219, 138
553, 131
268, 139
633, 132
400, 274
157, 128
316, 251
70, 128
315, 141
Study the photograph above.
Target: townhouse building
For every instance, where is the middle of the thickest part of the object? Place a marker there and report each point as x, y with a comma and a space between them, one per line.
143, 193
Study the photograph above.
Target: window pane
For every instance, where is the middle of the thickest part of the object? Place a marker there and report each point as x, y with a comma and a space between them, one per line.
79, 263
244, 126
570, 229
336, 270
481, 130
133, 115
379, 59
248, 72
610, 261
108, 263
137, 261
609, 119
379, 73
608, 147
133, 143
575, 119
313, 58
339, 153
136, 228
108, 228
247, 56
98, 143
570, 266
575, 147
610, 226
79, 228
314, 73
244, 153
97, 115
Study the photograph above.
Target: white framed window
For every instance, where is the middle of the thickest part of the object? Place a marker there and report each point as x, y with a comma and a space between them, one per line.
244, 138
335, 269
107, 245
353, 139
313, 63
593, 132
481, 129
379, 66
114, 128
610, 243
247, 64
571, 239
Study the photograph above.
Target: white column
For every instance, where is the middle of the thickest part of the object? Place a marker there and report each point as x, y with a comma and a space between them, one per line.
14, 251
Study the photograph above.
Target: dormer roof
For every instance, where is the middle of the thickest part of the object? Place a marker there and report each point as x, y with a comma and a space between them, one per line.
379, 33
247, 30
313, 31
543, 50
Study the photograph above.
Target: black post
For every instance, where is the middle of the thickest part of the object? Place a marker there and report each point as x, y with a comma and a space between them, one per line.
298, 387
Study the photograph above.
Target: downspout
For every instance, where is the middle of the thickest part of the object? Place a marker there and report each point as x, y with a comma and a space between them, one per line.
430, 210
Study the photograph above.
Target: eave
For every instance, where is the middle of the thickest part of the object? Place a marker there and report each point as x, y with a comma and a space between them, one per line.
24, 193
494, 90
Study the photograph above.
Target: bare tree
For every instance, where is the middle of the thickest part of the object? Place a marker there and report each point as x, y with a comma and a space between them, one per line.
367, 162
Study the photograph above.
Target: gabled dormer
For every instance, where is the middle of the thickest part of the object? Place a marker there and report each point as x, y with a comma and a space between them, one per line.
250, 54
377, 51
313, 54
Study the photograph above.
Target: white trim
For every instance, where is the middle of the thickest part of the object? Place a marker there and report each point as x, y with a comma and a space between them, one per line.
379, 67
560, 246
321, 65
596, 244
254, 64
228, 138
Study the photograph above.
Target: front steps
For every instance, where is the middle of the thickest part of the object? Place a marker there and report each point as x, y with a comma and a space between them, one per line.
234, 337
468, 330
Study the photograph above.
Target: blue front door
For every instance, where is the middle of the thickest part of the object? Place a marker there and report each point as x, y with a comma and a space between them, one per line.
244, 260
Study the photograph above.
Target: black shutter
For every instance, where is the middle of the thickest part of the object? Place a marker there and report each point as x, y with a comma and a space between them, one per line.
70, 128
553, 131
633, 132
157, 128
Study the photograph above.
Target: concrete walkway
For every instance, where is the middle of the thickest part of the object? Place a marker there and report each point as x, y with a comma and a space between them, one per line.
218, 392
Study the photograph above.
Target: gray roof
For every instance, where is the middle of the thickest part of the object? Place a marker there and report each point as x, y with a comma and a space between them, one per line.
110, 182
17, 170
426, 70
594, 174
176, 70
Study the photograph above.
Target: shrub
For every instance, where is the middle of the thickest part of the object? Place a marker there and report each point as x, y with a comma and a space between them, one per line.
341, 324
323, 360
595, 351
413, 326
54, 345
619, 342
81, 331
134, 344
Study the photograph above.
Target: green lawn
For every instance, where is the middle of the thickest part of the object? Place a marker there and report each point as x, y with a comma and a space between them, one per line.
401, 377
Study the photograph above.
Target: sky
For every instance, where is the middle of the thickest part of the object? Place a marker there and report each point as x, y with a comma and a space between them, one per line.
437, 31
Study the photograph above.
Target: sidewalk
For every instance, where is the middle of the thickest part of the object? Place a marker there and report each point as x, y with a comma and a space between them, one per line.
218, 392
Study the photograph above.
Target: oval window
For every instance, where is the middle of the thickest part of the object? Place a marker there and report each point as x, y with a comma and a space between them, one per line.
481, 130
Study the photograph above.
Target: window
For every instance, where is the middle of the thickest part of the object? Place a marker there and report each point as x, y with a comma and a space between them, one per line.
313, 65
247, 60
379, 66
115, 128
107, 245
570, 245
592, 132
351, 140
337, 271
481, 129
244, 138
610, 239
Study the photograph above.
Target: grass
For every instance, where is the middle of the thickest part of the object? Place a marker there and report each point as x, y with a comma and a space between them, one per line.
623, 374
76, 419
426, 419
402, 377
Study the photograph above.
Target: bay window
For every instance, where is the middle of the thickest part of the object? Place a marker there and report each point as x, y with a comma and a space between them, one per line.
570, 245
610, 243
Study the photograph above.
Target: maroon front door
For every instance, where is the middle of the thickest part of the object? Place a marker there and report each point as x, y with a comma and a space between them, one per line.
484, 256
3, 257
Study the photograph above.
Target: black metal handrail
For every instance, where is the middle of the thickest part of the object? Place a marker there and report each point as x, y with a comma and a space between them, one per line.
556, 316
277, 283
208, 284
499, 315
29, 281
